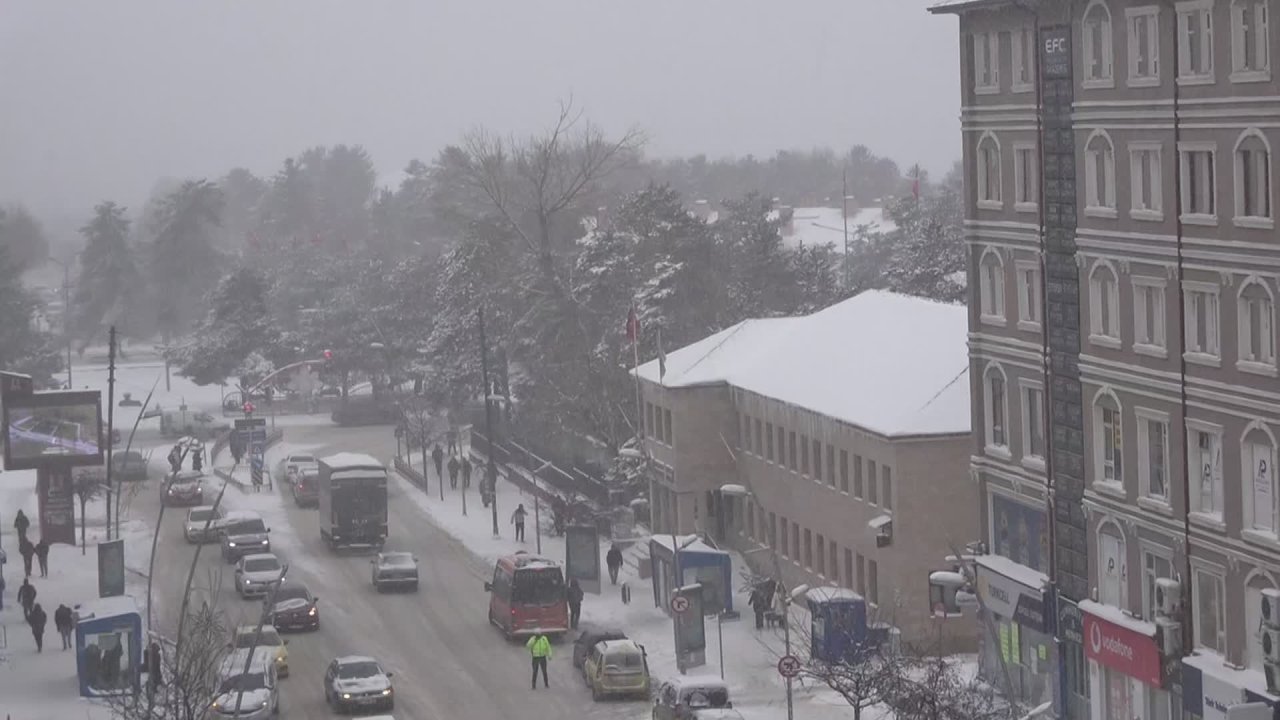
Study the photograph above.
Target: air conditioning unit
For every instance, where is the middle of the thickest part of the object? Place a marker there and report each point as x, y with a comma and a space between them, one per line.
1168, 598
1271, 607
1271, 644
1169, 637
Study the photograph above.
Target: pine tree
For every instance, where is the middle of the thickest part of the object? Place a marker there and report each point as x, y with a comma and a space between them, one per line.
109, 280
23, 348
237, 326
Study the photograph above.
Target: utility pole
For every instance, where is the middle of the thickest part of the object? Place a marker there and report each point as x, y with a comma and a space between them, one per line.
111, 414
66, 315
491, 467
844, 204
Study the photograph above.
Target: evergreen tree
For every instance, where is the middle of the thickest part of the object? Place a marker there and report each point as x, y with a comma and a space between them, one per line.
236, 326
183, 257
23, 348
109, 280
22, 234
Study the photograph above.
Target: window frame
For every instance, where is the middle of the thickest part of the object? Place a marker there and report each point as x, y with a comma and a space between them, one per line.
1146, 498
1211, 355
1107, 76
1137, 150
1030, 312
1101, 437
993, 448
1022, 177
1111, 529
1185, 150
1249, 484
1101, 328
1149, 576
1142, 285
1240, 184
1026, 387
1217, 574
1213, 518
1244, 330
991, 44
1022, 41
1100, 202
1243, 71
989, 143
992, 288
1186, 75
1149, 15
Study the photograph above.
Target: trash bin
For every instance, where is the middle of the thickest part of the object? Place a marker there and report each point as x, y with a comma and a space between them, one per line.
838, 624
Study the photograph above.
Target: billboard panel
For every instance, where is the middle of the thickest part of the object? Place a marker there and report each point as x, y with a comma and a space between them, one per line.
54, 428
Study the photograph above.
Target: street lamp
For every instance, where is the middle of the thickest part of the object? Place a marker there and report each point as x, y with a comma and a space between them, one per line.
66, 310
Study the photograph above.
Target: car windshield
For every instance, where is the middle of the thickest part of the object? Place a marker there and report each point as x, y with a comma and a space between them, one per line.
261, 564
624, 662
364, 669
201, 515
397, 560
292, 592
707, 697
543, 586
299, 459
247, 527
245, 682
269, 638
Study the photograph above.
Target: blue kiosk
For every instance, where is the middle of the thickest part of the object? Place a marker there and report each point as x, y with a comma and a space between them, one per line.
108, 646
838, 624
690, 560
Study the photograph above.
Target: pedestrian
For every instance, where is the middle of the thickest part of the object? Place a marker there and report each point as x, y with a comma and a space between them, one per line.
26, 597
237, 448
111, 664
1, 591
155, 677
437, 457
42, 556
36, 620
453, 472
92, 664
517, 519
453, 441
540, 651
27, 551
63, 622
197, 459
466, 473
759, 602
613, 560
575, 603
21, 523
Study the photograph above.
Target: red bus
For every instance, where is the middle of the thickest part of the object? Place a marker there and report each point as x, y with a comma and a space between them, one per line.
527, 596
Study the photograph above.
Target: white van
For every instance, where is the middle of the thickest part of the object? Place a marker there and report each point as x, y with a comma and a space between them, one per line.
256, 692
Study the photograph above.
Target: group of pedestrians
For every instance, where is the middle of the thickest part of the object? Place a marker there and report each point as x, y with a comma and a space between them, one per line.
32, 612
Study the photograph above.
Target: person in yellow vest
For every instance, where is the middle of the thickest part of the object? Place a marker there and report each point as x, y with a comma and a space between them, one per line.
540, 650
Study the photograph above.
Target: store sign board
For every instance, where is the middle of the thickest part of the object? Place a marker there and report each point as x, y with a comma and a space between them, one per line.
1012, 600
1120, 648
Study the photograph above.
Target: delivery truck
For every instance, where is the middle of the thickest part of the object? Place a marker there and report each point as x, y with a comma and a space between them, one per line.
353, 501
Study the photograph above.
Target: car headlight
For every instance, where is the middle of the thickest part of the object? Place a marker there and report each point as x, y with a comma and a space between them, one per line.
387, 691
230, 544
346, 696
264, 542
312, 612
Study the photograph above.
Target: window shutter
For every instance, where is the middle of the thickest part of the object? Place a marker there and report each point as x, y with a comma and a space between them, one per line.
1239, 34
1108, 48
1091, 177
1264, 36
1207, 56
994, 40
1153, 43
1109, 173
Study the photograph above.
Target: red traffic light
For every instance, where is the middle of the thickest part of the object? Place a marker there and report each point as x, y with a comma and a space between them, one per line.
328, 354
248, 408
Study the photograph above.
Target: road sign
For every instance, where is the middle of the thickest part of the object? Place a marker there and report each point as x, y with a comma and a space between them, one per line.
679, 604
788, 666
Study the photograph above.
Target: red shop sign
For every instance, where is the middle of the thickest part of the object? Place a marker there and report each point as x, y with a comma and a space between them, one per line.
1122, 649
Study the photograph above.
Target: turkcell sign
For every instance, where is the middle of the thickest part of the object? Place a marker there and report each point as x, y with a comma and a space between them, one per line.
1012, 600
1120, 648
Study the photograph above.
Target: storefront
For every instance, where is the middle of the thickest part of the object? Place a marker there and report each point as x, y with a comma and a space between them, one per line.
1014, 597
1209, 688
1127, 677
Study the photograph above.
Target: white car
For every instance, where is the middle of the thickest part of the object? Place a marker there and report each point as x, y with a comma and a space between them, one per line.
255, 574
254, 693
295, 464
201, 524
356, 683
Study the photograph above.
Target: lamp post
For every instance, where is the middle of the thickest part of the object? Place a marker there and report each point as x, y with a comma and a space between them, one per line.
66, 310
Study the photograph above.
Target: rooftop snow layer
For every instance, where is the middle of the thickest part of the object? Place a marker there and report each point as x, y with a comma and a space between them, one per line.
106, 607
350, 460
825, 226
889, 363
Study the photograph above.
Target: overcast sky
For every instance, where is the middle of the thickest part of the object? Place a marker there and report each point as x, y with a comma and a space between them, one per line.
99, 99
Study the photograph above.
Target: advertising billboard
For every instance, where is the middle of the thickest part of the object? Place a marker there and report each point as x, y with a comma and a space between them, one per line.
53, 428
1019, 532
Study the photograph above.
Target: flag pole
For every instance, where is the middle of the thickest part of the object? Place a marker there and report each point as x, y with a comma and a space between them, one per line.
633, 331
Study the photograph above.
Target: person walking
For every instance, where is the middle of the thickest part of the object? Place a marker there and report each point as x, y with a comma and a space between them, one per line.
1, 591
27, 551
466, 473
197, 459
575, 603
517, 519
21, 523
453, 473
175, 461
437, 457
37, 620
613, 561
64, 624
26, 597
759, 602
42, 557
151, 661
539, 651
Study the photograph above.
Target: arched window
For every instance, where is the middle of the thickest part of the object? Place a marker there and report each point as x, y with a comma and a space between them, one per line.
988, 160
1253, 588
1113, 571
1104, 305
1108, 439
1100, 175
1098, 50
1253, 179
1257, 465
996, 402
1256, 326
991, 286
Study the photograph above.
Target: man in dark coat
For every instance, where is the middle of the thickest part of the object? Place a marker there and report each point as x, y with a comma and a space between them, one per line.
111, 665
466, 473
64, 624
26, 597
21, 523
27, 551
36, 620
759, 603
42, 556
575, 603
613, 560
151, 661
175, 460
517, 519
437, 457
197, 459
453, 473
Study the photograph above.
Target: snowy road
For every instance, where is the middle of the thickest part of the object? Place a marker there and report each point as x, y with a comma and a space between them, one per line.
448, 662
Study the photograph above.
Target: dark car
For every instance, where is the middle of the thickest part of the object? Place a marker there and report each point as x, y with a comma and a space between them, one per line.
395, 570
295, 608
306, 488
128, 465
185, 489
588, 638
243, 533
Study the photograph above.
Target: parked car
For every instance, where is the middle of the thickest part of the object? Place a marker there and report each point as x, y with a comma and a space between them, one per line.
186, 489
293, 464
202, 524
685, 698
306, 488
255, 574
295, 608
396, 570
243, 533
269, 640
356, 682
256, 692
616, 668
588, 638
128, 465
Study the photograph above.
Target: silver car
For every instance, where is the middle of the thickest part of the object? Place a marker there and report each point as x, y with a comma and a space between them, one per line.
202, 524
255, 574
398, 570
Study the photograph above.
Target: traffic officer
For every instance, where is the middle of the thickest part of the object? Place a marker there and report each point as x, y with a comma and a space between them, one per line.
540, 651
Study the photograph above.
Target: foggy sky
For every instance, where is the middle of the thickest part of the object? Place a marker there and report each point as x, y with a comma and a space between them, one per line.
100, 99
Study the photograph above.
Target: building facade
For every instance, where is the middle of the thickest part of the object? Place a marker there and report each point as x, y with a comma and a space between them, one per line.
855, 495
1120, 221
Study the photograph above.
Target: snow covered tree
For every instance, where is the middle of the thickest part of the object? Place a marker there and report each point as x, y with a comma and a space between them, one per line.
237, 326
23, 347
23, 235
816, 271
183, 257
109, 280
759, 274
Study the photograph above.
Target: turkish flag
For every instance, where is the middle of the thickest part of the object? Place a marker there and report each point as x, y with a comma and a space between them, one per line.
633, 325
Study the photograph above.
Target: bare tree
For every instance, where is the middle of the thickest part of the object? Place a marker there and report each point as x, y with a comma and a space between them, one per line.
87, 485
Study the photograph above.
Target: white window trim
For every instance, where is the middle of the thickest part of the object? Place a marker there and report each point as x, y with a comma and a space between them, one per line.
1209, 219
1214, 520
1153, 350
1256, 367
1001, 451
1143, 416
1212, 358
1238, 74
1015, 44
1100, 483
1032, 205
1131, 14
988, 203
1122, 582
1096, 204
1247, 531
1260, 222
983, 316
1188, 78
1198, 567
1108, 80
1025, 386
1019, 266
1158, 551
991, 38
1157, 182
1096, 321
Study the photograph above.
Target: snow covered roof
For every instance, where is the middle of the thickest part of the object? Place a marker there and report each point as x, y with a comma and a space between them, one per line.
698, 681
350, 460
827, 593
1116, 616
955, 6
107, 607
690, 543
889, 363
1020, 574
825, 226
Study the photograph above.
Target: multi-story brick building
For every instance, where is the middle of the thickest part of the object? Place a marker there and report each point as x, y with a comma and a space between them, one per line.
1124, 269
849, 427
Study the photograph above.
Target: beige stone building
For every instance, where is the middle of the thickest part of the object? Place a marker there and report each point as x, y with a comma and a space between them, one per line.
850, 430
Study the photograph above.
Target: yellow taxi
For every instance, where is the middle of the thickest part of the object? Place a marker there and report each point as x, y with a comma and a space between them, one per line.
617, 668
270, 640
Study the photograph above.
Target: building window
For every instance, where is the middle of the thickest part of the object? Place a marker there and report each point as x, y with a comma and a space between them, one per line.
862, 575
808, 549
1209, 608
844, 471
986, 63
1195, 41
1026, 175
768, 446
791, 450
997, 410
1197, 165
1153, 454
784, 548
1028, 274
1108, 439
648, 418
873, 582
1112, 575
1144, 45
1033, 422
991, 287
988, 158
1256, 332
804, 454
795, 540
1253, 620
834, 560
1154, 567
1202, 336
782, 446
1100, 176
1096, 29
1145, 182
886, 487
746, 432
1253, 180
773, 530
760, 437
1148, 316
1024, 68
1250, 41
667, 430
1104, 306
847, 580
831, 465
817, 460
857, 476
1257, 462
820, 566
1204, 444
873, 494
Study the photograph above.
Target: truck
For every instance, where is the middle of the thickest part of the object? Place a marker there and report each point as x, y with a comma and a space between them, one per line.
352, 490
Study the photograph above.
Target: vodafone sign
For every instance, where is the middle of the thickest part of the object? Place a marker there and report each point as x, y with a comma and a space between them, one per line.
1122, 649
